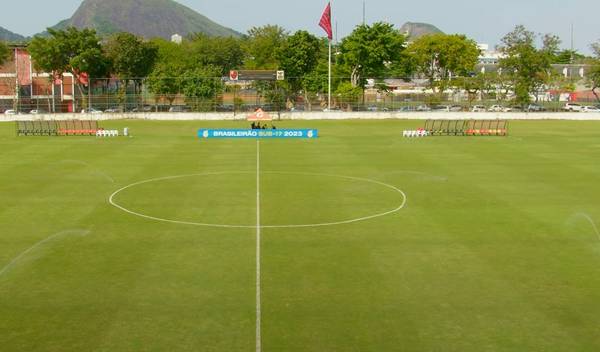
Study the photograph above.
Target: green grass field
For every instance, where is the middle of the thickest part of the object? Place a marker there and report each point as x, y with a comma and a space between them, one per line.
496, 248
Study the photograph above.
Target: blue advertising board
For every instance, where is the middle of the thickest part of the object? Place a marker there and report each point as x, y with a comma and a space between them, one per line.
284, 133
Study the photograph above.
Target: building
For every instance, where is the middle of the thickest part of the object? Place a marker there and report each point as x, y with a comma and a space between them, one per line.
176, 38
24, 89
488, 56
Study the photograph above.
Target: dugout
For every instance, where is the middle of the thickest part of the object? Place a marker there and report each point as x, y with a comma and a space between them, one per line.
466, 127
57, 128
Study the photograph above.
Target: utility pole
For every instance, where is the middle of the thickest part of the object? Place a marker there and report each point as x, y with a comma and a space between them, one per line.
16, 101
572, 41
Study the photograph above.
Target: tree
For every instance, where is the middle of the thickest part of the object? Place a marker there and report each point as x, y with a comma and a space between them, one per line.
130, 56
594, 74
262, 46
347, 94
225, 53
201, 85
315, 84
172, 62
439, 57
528, 67
73, 51
369, 50
131, 59
4, 52
299, 55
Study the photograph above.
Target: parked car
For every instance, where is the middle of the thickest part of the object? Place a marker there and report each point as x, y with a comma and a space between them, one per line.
514, 108
572, 107
179, 108
145, 108
91, 111
590, 109
535, 108
423, 108
407, 108
37, 112
113, 110
496, 108
10, 112
372, 108
478, 108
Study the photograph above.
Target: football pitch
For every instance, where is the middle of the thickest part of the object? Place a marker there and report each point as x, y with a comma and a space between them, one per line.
360, 240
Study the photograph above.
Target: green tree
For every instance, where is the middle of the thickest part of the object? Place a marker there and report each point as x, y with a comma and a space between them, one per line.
299, 55
263, 45
593, 76
568, 56
315, 84
201, 85
165, 80
347, 94
528, 67
78, 52
4, 52
369, 51
439, 57
131, 58
225, 53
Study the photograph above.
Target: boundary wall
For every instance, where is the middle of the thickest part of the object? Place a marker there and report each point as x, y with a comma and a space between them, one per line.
317, 115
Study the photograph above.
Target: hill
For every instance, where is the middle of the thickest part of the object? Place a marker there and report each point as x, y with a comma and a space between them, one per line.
9, 36
415, 30
146, 18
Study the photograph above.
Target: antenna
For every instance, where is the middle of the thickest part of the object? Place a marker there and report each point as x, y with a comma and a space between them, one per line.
364, 12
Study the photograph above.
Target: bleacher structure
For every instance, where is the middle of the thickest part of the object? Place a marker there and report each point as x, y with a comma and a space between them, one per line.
466, 127
57, 128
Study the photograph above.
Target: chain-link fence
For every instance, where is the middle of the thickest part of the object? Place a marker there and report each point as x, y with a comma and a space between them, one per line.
215, 94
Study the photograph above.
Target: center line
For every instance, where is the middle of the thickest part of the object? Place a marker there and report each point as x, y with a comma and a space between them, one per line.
258, 314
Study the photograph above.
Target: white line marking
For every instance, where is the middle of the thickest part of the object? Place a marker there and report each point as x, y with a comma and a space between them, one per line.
258, 301
589, 219
8, 266
112, 201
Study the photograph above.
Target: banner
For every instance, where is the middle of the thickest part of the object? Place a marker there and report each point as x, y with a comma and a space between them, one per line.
267, 134
259, 115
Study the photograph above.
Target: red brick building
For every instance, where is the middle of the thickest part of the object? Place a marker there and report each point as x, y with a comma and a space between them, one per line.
24, 89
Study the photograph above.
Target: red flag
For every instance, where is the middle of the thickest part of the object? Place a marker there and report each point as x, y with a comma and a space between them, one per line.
325, 22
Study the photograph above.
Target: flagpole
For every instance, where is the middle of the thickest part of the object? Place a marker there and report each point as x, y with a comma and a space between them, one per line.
330, 39
329, 88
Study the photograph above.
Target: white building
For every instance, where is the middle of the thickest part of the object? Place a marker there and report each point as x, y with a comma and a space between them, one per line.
176, 38
488, 56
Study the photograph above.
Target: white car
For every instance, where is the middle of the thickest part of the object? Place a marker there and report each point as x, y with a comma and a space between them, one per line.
479, 108
91, 111
590, 109
496, 108
572, 107
10, 112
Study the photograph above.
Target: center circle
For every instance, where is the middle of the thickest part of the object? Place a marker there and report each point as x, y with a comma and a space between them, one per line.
229, 199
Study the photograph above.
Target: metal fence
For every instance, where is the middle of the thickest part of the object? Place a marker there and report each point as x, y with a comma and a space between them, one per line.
135, 95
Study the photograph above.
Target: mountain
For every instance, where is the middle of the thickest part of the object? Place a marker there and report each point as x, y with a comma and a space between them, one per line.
146, 18
415, 30
9, 36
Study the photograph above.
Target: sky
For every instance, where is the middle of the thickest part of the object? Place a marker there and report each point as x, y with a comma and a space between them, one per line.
484, 21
